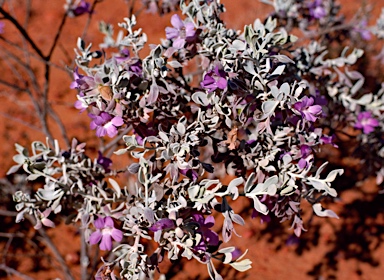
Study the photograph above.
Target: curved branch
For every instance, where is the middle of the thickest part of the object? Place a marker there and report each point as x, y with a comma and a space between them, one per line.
23, 32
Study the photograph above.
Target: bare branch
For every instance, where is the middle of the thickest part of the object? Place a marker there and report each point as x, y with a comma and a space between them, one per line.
62, 68
12, 118
47, 240
13, 86
93, 7
111, 145
58, 121
14, 272
22, 31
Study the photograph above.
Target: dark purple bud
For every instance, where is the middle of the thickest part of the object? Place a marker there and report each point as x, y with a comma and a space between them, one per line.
162, 224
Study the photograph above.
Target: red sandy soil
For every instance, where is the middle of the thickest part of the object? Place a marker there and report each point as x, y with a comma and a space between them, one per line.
348, 248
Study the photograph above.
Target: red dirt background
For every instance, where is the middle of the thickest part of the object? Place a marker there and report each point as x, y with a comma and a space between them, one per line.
349, 248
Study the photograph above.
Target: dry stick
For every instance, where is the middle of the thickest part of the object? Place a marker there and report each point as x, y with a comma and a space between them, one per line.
84, 259
22, 31
95, 261
130, 9
20, 77
12, 271
111, 145
85, 30
44, 108
8, 213
25, 25
31, 75
13, 86
35, 102
46, 105
54, 250
12, 44
6, 248
31, 126
60, 124
12, 235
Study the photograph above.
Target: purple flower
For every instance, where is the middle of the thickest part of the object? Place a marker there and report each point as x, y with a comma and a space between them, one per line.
86, 85
81, 105
210, 238
263, 218
316, 10
77, 8
307, 110
104, 162
179, 32
305, 152
214, 79
236, 253
105, 232
76, 79
325, 139
105, 124
292, 240
361, 28
366, 122
162, 224
190, 173
42, 219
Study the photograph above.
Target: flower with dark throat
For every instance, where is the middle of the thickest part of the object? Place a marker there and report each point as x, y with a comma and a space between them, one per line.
78, 8
179, 32
214, 79
307, 110
366, 122
105, 124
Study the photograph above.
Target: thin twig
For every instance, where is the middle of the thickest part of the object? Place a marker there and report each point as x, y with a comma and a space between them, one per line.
14, 45
12, 235
22, 31
130, 9
6, 248
8, 213
57, 36
35, 101
111, 145
46, 107
93, 7
47, 240
84, 259
95, 262
13, 86
12, 118
20, 77
58, 121
14, 272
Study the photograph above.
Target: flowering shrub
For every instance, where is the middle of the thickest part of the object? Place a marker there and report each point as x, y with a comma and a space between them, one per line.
259, 108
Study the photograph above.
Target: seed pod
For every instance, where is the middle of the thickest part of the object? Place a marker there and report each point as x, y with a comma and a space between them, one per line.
105, 92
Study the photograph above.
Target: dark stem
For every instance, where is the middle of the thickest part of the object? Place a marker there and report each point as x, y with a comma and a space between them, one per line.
22, 31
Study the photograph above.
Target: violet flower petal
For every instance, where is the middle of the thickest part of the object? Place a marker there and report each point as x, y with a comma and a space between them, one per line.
106, 242
95, 237
178, 43
177, 22
117, 121
221, 83
117, 235
108, 222
171, 33
99, 223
